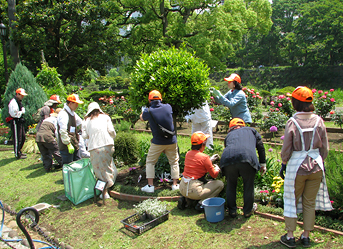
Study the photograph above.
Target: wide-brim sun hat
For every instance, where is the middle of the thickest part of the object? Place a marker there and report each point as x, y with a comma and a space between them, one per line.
50, 102
74, 98
93, 106
302, 93
233, 77
199, 137
236, 121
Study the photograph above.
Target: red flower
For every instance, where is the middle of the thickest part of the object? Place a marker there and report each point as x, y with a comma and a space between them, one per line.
314, 90
276, 109
254, 96
331, 90
288, 98
332, 100
320, 91
244, 88
272, 103
326, 93
212, 97
279, 104
323, 97
212, 109
332, 112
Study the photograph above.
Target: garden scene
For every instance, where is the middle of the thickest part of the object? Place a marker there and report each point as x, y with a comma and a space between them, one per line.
115, 53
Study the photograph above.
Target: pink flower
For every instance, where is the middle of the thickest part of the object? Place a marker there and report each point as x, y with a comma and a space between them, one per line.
331, 90
326, 93
254, 96
270, 150
272, 103
212, 97
273, 191
276, 109
111, 101
332, 202
332, 112
323, 97
288, 98
244, 88
161, 180
259, 97
212, 109
320, 91
278, 160
279, 104
282, 137
314, 90
253, 90
281, 96
273, 128
257, 93
332, 100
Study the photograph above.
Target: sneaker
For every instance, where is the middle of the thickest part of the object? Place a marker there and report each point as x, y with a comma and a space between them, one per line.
148, 189
305, 241
22, 157
287, 242
181, 203
107, 196
175, 187
254, 208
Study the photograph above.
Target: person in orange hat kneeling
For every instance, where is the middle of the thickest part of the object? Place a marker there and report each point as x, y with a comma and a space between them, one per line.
193, 185
304, 148
17, 111
68, 122
239, 159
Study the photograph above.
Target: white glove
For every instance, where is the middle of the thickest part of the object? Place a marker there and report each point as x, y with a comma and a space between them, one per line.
23, 110
216, 167
214, 157
263, 168
217, 93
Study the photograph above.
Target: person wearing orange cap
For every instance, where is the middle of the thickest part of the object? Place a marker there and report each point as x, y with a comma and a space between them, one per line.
239, 158
194, 185
160, 114
304, 148
234, 99
48, 108
17, 111
68, 122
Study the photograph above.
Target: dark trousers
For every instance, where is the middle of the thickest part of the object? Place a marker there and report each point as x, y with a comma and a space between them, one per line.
49, 150
18, 133
68, 158
232, 172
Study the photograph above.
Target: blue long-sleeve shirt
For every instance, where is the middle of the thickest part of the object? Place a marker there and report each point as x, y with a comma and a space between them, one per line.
237, 102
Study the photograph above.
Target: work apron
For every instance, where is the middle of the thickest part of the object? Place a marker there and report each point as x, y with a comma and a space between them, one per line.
322, 199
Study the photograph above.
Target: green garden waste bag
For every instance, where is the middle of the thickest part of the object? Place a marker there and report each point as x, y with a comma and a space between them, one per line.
79, 180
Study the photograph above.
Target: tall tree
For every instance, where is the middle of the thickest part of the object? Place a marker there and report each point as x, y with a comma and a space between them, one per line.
74, 35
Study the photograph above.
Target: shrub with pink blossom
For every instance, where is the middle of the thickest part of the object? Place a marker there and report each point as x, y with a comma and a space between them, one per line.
324, 103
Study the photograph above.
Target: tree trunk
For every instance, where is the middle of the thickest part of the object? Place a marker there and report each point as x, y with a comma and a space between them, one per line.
11, 15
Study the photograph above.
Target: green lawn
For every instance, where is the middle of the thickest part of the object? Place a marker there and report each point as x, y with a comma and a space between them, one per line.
24, 183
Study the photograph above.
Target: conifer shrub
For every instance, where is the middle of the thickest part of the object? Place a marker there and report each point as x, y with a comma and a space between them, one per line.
21, 77
126, 148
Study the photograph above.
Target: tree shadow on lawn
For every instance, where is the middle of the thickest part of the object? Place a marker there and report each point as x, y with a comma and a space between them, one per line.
39, 170
226, 225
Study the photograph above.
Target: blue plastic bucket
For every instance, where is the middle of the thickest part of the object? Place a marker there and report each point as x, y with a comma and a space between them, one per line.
214, 209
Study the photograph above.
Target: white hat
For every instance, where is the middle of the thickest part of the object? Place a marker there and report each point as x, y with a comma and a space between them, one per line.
93, 106
50, 102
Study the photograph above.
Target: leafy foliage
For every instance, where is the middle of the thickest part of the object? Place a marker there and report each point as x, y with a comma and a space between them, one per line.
273, 118
126, 148
22, 77
181, 78
323, 102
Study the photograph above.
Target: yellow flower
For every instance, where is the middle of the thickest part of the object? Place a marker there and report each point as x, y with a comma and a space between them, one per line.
277, 190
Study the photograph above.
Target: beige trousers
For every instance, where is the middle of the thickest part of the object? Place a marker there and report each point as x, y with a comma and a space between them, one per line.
307, 187
197, 190
172, 154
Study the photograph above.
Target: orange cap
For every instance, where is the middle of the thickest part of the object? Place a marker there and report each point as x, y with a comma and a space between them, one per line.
74, 98
154, 94
303, 94
199, 137
236, 121
233, 77
56, 98
21, 91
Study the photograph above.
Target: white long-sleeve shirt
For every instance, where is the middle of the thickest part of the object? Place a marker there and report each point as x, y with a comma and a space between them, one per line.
13, 109
62, 121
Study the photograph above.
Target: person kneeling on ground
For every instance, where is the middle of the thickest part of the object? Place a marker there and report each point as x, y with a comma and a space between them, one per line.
193, 185
239, 159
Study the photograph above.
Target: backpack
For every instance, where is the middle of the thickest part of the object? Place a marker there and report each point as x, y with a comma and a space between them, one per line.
36, 116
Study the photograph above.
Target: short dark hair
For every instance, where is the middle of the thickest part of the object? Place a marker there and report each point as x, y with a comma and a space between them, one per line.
196, 146
302, 106
238, 86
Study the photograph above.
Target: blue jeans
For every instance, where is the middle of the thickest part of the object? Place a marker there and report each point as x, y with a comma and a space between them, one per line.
68, 158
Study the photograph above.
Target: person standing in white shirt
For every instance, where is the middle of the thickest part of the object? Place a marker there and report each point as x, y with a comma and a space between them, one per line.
98, 128
17, 111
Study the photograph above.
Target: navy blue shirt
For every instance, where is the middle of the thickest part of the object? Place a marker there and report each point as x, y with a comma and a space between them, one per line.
163, 115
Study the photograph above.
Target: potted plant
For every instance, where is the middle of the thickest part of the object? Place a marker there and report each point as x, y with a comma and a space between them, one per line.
152, 208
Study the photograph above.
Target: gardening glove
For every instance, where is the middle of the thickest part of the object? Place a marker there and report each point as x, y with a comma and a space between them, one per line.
216, 167
283, 169
70, 149
214, 157
23, 110
216, 93
263, 168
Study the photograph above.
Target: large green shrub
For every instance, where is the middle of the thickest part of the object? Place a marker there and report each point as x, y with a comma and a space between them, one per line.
181, 78
126, 148
22, 77
334, 176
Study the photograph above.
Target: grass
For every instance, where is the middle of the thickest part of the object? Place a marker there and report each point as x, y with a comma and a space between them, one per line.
91, 225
